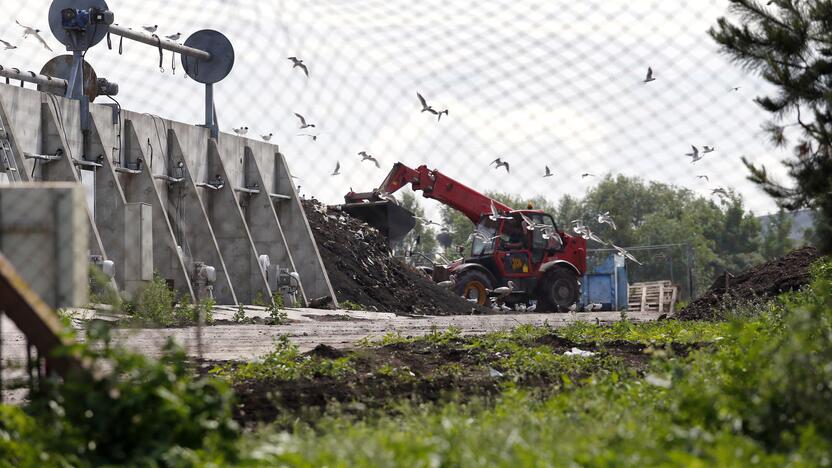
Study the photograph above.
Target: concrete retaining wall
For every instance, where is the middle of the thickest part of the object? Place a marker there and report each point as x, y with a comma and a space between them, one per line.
152, 207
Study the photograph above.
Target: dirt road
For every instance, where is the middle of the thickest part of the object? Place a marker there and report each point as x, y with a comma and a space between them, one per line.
310, 327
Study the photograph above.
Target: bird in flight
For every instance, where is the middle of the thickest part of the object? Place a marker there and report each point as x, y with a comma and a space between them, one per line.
241, 131
151, 29
481, 236
303, 123
587, 174
7, 45
548, 172
27, 31
694, 155
649, 76
703, 176
298, 63
313, 137
425, 106
266, 137
721, 192
337, 169
495, 215
174, 37
625, 254
606, 219
367, 157
439, 114
500, 163
707, 149
735, 88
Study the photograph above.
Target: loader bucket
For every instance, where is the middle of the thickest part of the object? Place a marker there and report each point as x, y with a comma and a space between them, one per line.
389, 218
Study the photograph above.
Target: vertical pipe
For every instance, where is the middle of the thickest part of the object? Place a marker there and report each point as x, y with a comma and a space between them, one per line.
691, 291
209, 105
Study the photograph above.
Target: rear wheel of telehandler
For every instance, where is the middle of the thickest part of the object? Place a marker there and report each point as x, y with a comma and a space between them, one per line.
559, 289
473, 285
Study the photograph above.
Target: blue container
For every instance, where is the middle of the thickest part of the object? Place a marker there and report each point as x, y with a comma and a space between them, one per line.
606, 284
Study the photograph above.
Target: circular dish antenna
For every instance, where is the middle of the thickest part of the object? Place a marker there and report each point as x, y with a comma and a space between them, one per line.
220, 63
76, 39
61, 67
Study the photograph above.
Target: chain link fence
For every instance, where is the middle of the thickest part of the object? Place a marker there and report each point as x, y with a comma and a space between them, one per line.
558, 90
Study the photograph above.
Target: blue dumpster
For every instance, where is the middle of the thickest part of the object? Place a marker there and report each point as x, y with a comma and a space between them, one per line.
606, 284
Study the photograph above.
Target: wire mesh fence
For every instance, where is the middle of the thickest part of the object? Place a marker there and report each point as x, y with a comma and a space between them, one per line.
559, 91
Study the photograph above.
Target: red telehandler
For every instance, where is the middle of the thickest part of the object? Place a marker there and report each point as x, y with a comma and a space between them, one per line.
522, 247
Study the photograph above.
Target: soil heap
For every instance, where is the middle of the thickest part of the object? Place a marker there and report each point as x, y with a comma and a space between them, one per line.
767, 280
363, 271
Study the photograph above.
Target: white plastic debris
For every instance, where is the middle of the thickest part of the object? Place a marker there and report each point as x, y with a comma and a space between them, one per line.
657, 380
494, 373
578, 352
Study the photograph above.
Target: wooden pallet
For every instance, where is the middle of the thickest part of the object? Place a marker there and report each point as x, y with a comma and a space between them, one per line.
656, 296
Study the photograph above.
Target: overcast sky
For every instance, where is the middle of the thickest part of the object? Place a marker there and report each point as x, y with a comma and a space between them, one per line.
537, 83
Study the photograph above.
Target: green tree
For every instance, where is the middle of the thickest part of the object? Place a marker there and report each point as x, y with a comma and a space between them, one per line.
789, 43
776, 240
427, 245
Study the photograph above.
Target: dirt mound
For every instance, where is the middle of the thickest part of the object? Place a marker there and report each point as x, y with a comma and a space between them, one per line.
363, 271
767, 280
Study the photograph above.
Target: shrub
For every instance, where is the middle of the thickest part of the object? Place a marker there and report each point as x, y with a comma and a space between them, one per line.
154, 303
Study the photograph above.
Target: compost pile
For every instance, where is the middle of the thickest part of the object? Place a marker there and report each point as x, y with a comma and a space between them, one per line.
786, 273
362, 270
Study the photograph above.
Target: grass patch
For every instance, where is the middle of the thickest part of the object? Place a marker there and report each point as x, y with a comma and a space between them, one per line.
285, 363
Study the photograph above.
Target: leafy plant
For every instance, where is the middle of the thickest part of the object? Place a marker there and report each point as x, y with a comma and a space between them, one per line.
350, 305
240, 315
154, 303
285, 362
277, 316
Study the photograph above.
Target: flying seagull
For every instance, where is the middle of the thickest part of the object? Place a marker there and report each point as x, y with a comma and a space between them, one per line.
707, 149
625, 254
313, 137
174, 37
587, 174
500, 163
367, 157
495, 215
425, 106
735, 88
694, 156
266, 137
649, 76
703, 176
303, 123
606, 219
481, 236
337, 169
296, 62
240, 131
27, 31
439, 114
8, 45
720, 192
151, 29
548, 172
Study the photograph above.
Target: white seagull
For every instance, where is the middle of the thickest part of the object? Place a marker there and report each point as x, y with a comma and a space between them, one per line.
7, 45
337, 169
174, 37
625, 254
500, 163
495, 215
298, 63
28, 31
694, 156
503, 291
303, 123
266, 137
367, 157
151, 29
240, 131
606, 219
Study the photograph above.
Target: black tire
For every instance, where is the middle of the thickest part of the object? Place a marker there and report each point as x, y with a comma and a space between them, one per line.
559, 289
473, 284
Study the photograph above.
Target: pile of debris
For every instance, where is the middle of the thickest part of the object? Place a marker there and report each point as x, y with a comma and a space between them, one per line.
786, 273
363, 271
